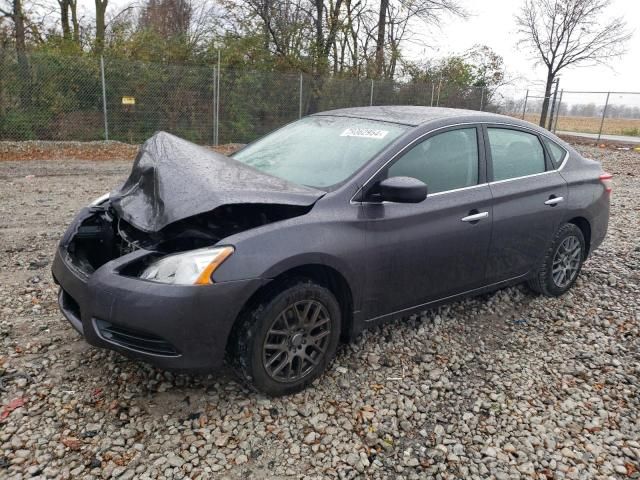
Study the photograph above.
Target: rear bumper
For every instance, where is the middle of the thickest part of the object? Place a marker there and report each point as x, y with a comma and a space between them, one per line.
170, 326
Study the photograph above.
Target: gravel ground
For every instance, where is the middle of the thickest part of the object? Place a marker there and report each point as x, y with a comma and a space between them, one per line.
507, 385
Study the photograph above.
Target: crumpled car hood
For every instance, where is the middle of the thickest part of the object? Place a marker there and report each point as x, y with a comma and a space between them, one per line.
173, 179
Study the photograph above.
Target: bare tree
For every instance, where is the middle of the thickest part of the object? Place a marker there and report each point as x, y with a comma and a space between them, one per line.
70, 25
357, 29
286, 26
564, 33
169, 18
395, 16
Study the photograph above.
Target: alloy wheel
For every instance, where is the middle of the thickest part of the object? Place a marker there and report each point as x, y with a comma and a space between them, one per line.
296, 341
566, 261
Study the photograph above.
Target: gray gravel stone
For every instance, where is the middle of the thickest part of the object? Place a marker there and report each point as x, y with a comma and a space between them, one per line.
507, 385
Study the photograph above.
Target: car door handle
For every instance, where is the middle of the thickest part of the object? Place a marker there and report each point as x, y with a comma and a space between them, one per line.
475, 217
554, 201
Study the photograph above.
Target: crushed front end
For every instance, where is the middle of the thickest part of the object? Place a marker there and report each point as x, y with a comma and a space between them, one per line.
136, 267
98, 265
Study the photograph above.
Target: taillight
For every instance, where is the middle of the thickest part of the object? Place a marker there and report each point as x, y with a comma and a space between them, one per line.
607, 182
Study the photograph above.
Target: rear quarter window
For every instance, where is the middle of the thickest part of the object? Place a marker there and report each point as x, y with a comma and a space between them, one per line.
556, 151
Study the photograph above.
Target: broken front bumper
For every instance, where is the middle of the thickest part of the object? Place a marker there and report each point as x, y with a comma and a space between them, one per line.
170, 326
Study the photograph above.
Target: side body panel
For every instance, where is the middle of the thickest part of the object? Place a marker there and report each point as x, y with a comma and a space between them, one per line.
331, 235
523, 225
588, 198
422, 252
527, 212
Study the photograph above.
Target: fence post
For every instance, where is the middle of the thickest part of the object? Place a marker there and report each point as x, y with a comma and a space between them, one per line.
300, 105
371, 94
555, 124
481, 98
604, 114
526, 99
213, 107
218, 101
104, 100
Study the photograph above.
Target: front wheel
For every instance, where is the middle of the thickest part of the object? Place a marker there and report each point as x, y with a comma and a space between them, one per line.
281, 345
561, 264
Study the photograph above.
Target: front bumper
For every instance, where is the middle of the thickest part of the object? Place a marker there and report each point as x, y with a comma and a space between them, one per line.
170, 326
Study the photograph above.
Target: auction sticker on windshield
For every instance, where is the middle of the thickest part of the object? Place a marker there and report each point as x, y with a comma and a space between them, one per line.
364, 133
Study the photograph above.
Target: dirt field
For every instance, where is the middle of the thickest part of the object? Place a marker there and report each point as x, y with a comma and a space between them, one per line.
507, 385
612, 126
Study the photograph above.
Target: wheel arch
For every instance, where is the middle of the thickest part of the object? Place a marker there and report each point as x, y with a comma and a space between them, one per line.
585, 227
322, 274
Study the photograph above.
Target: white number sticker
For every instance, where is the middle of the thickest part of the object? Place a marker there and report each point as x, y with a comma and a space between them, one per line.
364, 133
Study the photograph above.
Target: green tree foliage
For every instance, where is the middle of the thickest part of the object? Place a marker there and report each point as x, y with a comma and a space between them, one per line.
466, 80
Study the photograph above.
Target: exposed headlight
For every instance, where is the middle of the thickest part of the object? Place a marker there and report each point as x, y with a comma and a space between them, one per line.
188, 268
99, 200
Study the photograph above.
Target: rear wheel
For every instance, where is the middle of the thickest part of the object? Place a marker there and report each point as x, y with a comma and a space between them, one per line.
281, 345
561, 264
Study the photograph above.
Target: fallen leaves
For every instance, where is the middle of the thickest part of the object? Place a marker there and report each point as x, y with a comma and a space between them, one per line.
45, 150
72, 443
11, 406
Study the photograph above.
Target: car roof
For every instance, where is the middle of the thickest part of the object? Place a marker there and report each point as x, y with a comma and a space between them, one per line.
416, 115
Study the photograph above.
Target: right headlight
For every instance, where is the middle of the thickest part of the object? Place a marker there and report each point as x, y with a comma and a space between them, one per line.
188, 268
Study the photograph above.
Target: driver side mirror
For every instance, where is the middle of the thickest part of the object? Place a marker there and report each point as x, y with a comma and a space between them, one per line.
402, 190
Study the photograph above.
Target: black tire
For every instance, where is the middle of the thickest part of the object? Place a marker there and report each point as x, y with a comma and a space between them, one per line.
543, 281
256, 364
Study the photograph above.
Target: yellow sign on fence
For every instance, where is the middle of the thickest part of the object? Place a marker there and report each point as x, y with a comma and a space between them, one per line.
128, 100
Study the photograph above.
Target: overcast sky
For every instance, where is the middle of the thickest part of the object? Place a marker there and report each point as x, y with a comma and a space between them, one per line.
492, 23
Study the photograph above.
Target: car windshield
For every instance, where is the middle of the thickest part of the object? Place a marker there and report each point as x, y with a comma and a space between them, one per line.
319, 151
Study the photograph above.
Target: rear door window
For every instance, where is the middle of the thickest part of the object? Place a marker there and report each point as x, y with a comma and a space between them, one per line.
446, 161
515, 153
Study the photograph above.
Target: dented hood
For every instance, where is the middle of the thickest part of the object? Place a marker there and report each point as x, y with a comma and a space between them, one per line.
173, 179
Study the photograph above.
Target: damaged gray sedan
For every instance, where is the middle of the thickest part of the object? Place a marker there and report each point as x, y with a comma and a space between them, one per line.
325, 227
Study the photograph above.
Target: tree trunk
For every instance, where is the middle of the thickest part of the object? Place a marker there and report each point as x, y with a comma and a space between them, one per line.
21, 51
266, 20
101, 7
382, 23
319, 63
547, 97
64, 19
323, 49
73, 4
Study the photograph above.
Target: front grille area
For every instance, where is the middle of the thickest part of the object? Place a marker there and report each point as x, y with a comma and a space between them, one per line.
135, 340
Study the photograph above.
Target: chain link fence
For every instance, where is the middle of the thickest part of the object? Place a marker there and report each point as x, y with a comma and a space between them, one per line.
48, 96
87, 98
594, 115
